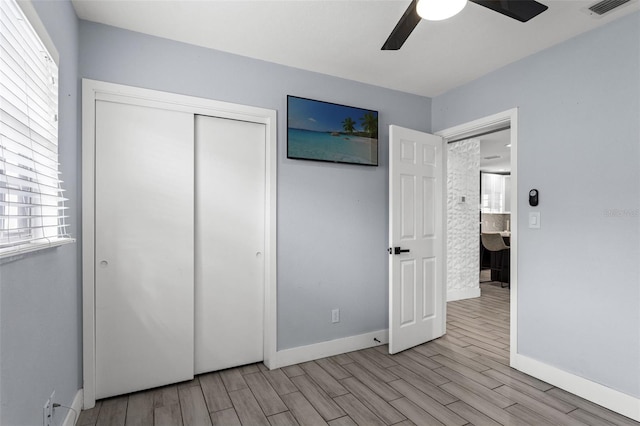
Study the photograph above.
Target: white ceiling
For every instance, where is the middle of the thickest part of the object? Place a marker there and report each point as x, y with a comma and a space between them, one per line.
495, 145
343, 38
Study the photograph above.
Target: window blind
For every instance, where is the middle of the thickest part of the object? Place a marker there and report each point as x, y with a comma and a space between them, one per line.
32, 205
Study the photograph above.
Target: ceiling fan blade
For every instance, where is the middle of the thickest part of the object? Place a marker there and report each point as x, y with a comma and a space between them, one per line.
403, 28
522, 10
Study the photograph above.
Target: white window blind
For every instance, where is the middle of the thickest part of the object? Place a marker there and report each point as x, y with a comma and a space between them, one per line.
32, 206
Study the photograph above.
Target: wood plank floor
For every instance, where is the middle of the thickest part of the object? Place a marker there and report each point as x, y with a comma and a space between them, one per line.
460, 379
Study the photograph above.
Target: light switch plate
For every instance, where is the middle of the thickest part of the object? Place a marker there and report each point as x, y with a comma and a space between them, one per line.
534, 220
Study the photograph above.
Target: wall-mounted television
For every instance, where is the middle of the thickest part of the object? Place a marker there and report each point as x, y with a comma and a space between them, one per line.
324, 131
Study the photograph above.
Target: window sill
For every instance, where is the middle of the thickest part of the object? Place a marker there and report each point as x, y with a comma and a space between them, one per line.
15, 252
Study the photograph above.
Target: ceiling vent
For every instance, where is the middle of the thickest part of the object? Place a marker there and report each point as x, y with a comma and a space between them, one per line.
605, 6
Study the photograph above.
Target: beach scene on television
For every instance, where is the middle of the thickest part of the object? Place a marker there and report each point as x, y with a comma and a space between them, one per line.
324, 131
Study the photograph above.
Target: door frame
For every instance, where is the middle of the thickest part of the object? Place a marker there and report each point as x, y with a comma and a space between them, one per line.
93, 91
469, 130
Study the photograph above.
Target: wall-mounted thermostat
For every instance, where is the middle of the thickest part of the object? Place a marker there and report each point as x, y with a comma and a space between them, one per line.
533, 197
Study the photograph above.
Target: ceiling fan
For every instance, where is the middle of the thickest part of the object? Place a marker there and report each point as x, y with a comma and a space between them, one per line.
521, 10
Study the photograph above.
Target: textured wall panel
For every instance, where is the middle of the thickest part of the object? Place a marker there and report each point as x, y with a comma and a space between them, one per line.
463, 230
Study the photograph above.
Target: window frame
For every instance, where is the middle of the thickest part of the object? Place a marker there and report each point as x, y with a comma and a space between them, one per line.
25, 218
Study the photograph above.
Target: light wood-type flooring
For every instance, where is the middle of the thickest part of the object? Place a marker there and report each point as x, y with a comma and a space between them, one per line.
460, 379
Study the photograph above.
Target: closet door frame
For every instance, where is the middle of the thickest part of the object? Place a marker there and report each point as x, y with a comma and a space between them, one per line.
93, 91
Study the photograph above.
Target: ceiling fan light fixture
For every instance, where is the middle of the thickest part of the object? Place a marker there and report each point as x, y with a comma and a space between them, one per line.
438, 10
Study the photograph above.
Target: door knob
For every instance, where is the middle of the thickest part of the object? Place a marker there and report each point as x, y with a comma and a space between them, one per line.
397, 250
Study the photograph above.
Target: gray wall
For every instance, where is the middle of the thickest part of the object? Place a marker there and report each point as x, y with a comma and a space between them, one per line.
578, 143
40, 310
332, 219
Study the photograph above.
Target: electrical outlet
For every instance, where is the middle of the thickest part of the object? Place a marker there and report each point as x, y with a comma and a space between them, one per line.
335, 316
47, 411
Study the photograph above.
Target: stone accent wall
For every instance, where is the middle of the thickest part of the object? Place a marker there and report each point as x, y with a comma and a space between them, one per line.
463, 217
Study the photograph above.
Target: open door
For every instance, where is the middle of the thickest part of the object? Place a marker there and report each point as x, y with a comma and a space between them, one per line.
416, 235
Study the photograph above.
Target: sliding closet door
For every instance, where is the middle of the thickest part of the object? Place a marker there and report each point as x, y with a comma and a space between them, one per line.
143, 247
229, 267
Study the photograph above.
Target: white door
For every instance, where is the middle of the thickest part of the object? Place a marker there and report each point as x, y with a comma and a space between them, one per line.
230, 238
143, 248
416, 278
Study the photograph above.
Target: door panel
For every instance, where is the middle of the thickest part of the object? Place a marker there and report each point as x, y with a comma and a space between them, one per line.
144, 248
428, 289
230, 238
429, 206
407, 207
416, 280
408, 292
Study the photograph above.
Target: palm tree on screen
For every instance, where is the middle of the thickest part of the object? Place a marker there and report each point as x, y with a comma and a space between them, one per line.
369, 123
348, 125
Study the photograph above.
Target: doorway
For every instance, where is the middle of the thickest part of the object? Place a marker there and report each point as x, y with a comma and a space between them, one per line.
477, 128
495, 207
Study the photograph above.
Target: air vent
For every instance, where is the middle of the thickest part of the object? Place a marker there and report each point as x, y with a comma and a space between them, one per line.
605, 6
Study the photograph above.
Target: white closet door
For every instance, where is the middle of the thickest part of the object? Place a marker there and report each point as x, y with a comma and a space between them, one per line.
229, 267
144, 248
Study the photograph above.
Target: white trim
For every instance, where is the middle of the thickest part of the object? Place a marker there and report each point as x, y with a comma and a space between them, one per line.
462, 293
493, 122
514, 241
473, 128
300, 354
445, 233
270, 341
88, 264
32, 246
94, 90
72, 417
612, 399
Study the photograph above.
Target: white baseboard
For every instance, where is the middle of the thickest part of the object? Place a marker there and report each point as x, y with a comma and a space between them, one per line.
614, 400
465, 293
300, 354
72, 418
